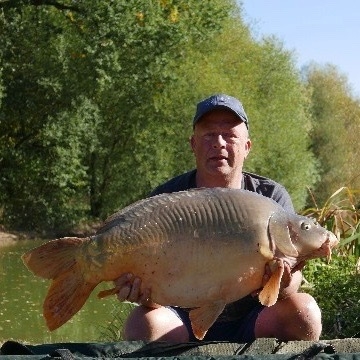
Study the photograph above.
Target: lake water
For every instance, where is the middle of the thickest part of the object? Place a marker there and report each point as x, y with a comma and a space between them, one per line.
21, 298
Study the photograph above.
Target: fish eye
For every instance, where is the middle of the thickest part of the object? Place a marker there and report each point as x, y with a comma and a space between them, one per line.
305, 226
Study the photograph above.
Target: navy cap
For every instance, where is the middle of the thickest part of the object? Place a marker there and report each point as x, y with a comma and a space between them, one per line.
220, 101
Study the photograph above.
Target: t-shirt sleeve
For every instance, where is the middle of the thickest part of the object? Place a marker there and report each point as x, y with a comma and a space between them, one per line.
269, 188
282, 197
182, 182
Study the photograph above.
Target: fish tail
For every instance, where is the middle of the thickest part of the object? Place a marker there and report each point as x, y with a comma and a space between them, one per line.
59, 260
52, 258
66, 296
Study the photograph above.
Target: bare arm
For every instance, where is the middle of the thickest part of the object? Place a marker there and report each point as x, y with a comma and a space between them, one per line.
291, 284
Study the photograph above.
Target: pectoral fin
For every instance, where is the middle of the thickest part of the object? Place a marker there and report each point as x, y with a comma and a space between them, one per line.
270, 292
202, 318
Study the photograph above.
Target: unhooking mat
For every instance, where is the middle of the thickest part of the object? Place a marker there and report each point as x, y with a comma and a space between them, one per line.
259, 349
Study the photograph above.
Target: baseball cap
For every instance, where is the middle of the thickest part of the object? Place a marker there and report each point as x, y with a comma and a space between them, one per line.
220, 101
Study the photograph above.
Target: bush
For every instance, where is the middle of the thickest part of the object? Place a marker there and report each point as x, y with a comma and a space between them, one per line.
336, 288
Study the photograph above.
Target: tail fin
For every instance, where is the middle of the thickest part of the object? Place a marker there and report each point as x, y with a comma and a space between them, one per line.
59, 260
52, 258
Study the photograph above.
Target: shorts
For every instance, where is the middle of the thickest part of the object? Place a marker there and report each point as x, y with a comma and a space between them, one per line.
240, 330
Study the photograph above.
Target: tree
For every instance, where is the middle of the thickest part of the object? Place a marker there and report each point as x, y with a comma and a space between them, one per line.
262, 74
98, 98
79, 101
335, 129
41, 160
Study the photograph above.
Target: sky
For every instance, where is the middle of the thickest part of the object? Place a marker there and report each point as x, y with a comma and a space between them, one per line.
323, 31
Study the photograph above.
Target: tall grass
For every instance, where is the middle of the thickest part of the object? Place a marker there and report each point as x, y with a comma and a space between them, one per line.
341, 215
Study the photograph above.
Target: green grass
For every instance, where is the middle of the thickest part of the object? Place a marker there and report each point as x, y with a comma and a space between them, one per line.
336, 288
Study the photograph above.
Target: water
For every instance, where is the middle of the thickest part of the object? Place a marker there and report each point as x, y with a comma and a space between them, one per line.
21, 298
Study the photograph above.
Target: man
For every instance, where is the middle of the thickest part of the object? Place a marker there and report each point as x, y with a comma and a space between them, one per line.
221, 143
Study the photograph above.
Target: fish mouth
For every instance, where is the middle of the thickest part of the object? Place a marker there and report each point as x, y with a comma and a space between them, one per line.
325, 249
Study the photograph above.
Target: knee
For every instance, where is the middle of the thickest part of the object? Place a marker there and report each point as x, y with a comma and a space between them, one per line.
297, 317
304, 317
137, 326
159, 324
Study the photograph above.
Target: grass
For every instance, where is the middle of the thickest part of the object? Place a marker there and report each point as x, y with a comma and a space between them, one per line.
336, 288
113, 331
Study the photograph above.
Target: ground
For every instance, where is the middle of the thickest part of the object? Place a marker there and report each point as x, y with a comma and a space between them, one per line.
7, 238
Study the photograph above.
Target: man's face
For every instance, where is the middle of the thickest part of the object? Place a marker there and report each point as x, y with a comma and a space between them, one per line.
220, 143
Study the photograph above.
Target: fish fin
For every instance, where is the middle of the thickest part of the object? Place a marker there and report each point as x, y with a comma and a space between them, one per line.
66, 296
270, 292
59, 260
202, 318
50, 259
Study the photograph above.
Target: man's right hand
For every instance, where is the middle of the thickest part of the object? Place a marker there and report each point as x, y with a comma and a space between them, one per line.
130, 290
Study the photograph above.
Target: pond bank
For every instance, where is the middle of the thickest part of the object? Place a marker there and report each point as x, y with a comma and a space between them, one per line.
7, 238
12, 237
82, 230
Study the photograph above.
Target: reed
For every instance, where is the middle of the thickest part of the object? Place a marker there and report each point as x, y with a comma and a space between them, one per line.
341, 214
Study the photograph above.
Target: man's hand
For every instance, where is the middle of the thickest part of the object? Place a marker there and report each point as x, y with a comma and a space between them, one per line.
290, 281
130, 290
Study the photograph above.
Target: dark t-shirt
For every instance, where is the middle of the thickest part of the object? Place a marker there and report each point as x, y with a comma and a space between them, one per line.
251, 182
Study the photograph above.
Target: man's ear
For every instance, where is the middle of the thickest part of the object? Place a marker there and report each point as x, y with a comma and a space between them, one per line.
247, 147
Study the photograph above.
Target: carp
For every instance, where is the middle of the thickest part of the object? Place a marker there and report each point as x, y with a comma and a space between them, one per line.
199, 249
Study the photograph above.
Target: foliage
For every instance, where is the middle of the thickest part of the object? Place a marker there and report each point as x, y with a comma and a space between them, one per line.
46, 124
97, 99
78, 106
336, 288
281, 123
335, 129
341, 215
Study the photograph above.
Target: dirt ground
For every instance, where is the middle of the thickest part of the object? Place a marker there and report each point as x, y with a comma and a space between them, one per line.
7, 238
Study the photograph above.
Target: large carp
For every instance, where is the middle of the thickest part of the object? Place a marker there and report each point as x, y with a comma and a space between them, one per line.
199, 249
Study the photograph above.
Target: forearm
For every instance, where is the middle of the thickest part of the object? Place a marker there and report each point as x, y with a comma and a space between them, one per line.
293, 286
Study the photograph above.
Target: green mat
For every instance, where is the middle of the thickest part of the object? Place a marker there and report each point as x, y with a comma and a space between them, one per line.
259, 349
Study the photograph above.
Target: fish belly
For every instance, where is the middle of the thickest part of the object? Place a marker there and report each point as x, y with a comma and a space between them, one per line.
191, 273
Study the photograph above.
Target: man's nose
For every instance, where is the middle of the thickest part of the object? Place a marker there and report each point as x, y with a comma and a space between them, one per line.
219, 142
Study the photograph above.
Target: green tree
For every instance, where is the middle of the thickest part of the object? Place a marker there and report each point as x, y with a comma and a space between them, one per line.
42, 172
263, 75
79, 106
135, 62
98, 97
335, 128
